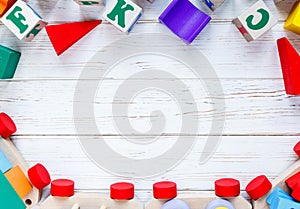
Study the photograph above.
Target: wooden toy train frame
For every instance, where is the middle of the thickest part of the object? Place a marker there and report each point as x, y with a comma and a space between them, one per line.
195, 200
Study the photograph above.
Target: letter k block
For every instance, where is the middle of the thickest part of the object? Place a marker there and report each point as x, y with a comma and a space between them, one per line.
123, 14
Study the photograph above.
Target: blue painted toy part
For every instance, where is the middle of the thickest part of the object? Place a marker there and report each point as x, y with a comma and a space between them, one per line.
138, 17
175, 204
217, 203
184, 19
5, 165
278, 192
286, 204
209, 4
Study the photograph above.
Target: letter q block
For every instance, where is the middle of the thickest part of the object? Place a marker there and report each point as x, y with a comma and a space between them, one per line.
122, 13
255, 21
23, 21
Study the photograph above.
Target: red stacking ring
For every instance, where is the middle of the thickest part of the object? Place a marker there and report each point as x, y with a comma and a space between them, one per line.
7, 125
165, 190
62, 188
297, 149
39, 176
227, 187
122, 191
258, 187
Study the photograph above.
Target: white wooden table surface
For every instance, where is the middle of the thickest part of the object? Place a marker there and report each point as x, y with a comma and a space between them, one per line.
262, 122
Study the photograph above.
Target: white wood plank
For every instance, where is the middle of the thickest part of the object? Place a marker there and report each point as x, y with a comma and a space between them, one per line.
253, 107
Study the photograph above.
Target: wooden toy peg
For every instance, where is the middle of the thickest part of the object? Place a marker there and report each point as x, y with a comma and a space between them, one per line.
39, 176
227, 187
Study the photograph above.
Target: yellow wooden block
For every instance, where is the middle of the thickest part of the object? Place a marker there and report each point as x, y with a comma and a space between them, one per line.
19, 181
293, 21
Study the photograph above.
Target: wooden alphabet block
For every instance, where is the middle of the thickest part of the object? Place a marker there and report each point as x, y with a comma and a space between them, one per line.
122, 13
213, 4
23, 21
5, 165
9, 60
5, 5
255, 21
277, 1
19, 181
8, 197
293, 21
90, 2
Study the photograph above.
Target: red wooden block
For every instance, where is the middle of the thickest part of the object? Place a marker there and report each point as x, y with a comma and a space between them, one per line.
122, 191
39, 176
293, 181
227, 187
297, 149
258, 187
7, 125
290, 64
62, 188
165, 190
63, 36
296, 194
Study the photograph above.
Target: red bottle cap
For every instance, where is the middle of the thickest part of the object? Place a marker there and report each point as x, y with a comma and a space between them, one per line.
227, 187
258, 187
122, 191
39, 176
62, 188
165, 190
7, 125
297, 149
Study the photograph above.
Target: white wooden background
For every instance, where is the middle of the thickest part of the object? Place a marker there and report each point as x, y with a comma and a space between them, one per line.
262, 122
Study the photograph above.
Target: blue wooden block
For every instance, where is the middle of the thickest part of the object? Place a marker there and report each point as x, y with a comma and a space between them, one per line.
5, 165
284, 203
184, 19
276, 194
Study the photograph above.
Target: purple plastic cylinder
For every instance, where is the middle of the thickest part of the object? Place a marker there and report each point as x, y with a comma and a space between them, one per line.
184, 19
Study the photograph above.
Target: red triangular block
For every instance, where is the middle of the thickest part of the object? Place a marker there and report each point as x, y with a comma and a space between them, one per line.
63, 36
290, 64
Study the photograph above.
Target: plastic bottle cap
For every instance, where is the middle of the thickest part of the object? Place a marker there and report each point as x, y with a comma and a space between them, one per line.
165, 190
39, 176
122, 191
258, 187
227, 187
62, 188
7, 125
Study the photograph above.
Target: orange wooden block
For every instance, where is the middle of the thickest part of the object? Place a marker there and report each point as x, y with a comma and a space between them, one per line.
5, 5
19, 181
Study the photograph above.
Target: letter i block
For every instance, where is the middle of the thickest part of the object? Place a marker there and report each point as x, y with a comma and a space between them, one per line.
213, 4
23, 21
255, 21
122, 13
90, 3
293, 21
5, 5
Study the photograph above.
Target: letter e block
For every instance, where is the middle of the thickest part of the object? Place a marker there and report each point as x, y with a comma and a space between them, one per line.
255, 21
23, 21
122, 13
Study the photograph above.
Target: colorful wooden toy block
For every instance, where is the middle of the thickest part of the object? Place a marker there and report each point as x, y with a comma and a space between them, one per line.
8, 197
293, 21
5, 5
7, 126
23, 21
255, 21
19, 181
165, 190
277, 192
62, 188
90, 2
39, 176
9, 60
175, 204
290, 62
213, 4
95, 200
5, 165
219, 204
227, 187
184, 19
63, 36
122, 13
258, 187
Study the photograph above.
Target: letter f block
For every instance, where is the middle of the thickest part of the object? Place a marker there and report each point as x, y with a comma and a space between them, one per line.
23, 21
122, 13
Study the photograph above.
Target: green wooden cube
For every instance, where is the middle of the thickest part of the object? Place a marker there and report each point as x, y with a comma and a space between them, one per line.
9, 199
9, 60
